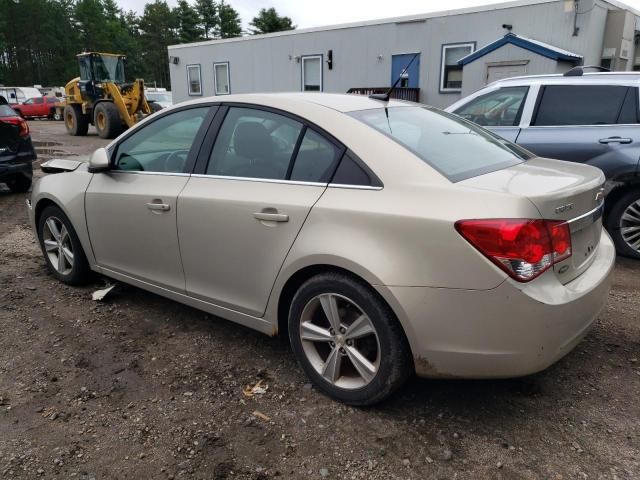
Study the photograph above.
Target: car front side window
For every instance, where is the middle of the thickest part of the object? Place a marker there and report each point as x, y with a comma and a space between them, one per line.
500, 108
163, 145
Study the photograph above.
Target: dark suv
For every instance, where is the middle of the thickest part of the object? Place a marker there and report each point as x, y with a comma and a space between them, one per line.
591, 118
16, 151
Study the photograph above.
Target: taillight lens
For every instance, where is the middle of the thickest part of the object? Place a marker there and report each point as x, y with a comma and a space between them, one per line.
524, 248
24, 128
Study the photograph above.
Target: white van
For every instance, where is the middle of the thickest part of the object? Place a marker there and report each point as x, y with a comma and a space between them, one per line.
15, 95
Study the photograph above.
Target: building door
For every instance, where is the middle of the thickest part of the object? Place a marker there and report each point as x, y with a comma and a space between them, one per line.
502, 71
409, 72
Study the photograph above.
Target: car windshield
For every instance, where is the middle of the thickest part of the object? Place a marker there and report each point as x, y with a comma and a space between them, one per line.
159, 97
456, 148
6, 111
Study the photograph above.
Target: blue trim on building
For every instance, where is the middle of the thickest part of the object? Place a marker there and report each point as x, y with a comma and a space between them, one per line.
513, 39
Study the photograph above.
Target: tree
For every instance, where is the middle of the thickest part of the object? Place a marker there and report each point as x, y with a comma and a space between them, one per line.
230, 24
188, 22
157, 31
208, 14
269, 21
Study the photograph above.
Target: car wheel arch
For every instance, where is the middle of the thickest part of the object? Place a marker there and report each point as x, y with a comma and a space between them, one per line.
300, 276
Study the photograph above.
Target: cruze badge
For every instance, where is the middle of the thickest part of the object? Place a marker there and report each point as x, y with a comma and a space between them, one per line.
564, 208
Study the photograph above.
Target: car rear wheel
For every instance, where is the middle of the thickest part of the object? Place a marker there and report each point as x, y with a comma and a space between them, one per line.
347, 340
107, 120
76, 122
61, 247
19, 184
623, 223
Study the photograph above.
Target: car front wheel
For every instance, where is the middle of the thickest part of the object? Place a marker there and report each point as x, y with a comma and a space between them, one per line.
347, 340
61, 247
623, 223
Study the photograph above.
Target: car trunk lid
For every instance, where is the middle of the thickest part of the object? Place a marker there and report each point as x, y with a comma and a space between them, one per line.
559, 190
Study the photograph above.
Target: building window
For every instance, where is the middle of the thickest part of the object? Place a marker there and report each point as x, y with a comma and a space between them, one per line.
312, 73
221, 78
194, 80
451, 72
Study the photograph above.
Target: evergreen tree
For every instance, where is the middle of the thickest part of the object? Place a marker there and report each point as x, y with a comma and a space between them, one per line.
188, 22
269, 21
230, 24
208, 14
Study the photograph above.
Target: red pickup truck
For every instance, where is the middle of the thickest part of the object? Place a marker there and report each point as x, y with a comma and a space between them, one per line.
37, 107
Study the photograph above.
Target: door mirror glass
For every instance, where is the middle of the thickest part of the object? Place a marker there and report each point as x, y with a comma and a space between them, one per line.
99, 161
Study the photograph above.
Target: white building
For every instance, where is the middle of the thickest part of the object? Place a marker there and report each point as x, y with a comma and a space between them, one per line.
456, 52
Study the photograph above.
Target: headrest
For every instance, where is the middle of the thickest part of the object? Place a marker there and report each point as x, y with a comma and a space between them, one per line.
252, 140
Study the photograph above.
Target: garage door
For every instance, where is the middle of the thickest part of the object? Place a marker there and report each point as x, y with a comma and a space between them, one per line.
499, 72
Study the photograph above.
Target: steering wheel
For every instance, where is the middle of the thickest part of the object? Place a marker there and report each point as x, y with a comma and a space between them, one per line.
175, 161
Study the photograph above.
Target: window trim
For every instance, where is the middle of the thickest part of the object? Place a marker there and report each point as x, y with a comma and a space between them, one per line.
444, 47
541, 90
302, 60
189, 92
215, 78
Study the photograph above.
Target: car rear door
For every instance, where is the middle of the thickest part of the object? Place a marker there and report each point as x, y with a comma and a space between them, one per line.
591, 123
131, 209
500, 110
240, 213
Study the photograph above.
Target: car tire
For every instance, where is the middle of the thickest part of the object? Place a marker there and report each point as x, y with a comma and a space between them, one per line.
107, 120
332, 356
75, 121
623, 223
19, 183
55, 235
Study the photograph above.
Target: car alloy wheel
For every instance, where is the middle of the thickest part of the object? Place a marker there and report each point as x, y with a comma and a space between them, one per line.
58, 246
340, 341
630, 225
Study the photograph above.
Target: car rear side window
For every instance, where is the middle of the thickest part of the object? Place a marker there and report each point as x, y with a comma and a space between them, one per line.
162, 145
6, 111
584, 105
254, 143
458, 149
500, 108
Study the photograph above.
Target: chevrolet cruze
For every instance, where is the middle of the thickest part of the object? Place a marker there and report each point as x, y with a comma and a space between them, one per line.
384, 238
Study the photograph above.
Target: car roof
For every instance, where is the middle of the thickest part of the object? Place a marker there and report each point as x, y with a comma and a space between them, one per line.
340, 102
587, 78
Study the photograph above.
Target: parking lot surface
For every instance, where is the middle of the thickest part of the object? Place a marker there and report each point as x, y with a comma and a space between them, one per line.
138, 387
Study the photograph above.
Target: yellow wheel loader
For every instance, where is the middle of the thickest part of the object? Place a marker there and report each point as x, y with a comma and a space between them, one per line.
101, 97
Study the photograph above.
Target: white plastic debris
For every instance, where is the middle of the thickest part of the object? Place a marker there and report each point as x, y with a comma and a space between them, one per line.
99, 295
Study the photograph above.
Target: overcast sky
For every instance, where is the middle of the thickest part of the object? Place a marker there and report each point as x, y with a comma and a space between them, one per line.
305, 13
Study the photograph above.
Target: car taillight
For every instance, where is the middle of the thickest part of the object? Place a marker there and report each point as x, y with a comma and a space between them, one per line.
524, 248
24, 128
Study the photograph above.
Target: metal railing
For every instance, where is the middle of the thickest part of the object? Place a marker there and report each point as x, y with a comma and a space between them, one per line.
401, 93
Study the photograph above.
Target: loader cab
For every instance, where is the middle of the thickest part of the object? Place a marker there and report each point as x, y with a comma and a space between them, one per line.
99, 68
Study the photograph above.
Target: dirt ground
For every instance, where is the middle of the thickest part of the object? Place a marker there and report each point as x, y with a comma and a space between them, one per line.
141, 387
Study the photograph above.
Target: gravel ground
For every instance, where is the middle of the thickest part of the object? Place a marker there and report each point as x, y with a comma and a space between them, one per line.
140, 387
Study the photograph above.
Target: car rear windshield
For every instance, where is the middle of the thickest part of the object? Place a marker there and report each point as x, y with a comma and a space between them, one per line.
6, 111
456, 148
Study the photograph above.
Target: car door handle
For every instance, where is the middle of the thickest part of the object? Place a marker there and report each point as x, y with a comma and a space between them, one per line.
271, 217
624, 141
158, 207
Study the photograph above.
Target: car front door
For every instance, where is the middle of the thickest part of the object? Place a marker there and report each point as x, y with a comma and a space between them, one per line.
593, 124
131, 209
499, 110
239, 217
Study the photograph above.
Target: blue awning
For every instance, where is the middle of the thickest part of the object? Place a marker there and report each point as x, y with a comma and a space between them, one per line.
534, 46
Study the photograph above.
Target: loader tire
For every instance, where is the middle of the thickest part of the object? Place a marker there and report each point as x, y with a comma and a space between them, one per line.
75, 121
107, 120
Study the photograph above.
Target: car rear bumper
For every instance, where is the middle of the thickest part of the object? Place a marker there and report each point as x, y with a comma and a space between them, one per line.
512, 330
20, 163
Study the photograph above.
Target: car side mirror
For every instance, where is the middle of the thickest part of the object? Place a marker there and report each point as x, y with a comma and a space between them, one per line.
99, 161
